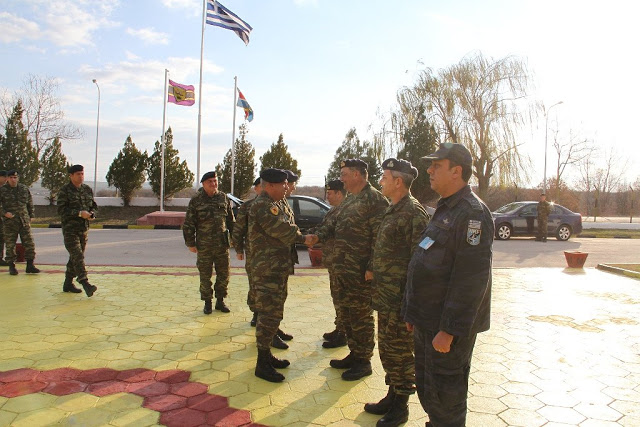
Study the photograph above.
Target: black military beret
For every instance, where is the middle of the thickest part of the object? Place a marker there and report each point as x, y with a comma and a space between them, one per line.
75, 168
256, 182
208, 175
3, 173
455, 152
291, 176
335, 185
400, 165
354, 163
12, 172
273, 175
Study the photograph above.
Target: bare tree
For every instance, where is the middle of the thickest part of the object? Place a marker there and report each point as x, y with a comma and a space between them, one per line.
570, 150
599, 182
477, 103
43, 115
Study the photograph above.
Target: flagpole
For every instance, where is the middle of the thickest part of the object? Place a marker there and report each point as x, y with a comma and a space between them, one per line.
204, 18
164, 120
233, 133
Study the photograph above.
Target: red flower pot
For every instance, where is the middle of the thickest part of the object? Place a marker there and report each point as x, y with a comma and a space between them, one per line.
315, 255
575, 259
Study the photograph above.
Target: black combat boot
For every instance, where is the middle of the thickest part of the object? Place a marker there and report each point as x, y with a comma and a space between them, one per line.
384, 405
31, 269
68, 285
3, 263
12, 269
330, 335
254, 319
342, 363
89, 289
265, 370
208, 308
359, 369
398, 414
278, 363
277, 342
221, 306
338, 340
283, 335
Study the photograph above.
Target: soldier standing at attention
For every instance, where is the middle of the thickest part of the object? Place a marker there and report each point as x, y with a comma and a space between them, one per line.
243, 248
271, 236
398, 236
448, 294
3, 263
355, 229
76, 208
206, 233
16, 210
544, 209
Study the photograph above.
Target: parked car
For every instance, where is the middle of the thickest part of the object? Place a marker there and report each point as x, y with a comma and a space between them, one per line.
521, 219
235, 203
308, 211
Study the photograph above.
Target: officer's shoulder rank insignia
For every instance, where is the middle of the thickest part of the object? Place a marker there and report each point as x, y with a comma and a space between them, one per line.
474, 230
274, 210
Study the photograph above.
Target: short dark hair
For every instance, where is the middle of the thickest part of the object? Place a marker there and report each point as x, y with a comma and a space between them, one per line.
406, 178
466, 170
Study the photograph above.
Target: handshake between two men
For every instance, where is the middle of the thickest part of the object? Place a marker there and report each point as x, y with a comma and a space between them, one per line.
310, 239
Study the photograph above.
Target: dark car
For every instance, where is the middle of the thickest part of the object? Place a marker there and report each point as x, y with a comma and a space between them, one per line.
235, 203
308, 211
521, 219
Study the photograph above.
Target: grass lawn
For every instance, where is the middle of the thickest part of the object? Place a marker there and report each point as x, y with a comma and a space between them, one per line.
631, 267
606, 233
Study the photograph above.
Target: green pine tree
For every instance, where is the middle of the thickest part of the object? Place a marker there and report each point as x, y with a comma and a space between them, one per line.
177, 175
278, 156
244, 166
16, 150
127, 171
352, 148
54, 169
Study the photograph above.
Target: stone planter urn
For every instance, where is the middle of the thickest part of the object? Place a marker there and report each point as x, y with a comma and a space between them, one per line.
315, 255
575, 259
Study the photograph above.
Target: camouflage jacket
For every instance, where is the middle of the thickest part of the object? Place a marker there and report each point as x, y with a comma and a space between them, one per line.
271, 236
208, 220
398, 236
241, 228
284, 204
328, 244
354, 229
544, 209
72, 200
18, 201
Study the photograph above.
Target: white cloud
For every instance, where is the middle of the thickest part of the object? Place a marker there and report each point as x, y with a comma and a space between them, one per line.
194, 6
149, 35
303, 3
15, 28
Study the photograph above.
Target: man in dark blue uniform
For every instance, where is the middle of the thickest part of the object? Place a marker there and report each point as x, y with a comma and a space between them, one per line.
448, 294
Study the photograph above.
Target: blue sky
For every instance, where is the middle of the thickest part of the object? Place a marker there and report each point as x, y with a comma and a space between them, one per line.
314, 68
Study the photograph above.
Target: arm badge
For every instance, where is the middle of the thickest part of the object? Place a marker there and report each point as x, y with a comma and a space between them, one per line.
274, 210
474, 230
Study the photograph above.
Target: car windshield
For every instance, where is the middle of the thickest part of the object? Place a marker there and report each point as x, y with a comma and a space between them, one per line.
509, 208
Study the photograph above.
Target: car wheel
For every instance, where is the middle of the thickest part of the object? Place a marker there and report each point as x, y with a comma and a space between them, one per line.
503, 232
564, 232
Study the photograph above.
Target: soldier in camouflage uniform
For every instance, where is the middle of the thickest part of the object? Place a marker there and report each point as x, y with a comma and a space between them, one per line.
398, 236
448, 292
243, 248
355, 229
3, 263
76, 208
544, 209
206, 228
16, 210
271, 236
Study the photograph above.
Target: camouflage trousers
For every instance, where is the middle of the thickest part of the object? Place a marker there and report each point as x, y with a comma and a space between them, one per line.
355, 302
442, 379
206, 260
335, 297
542, 228
251, 295
1, 239
395, 345
13, 228
75, 242
271, 294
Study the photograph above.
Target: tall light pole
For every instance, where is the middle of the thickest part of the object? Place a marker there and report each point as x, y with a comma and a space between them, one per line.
546, 133
95, 168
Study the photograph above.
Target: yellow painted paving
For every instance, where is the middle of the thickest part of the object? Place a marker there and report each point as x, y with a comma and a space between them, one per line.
564, 349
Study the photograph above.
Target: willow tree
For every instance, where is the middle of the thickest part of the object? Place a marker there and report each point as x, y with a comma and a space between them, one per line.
478, 103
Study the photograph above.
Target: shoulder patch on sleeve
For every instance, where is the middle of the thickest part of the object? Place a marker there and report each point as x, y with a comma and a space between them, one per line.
474, 230
274, 210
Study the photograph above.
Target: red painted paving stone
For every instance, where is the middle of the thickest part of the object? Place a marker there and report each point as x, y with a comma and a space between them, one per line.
62, 388
184, 417
60, 374
136, 375
228, 417
165, 402
173, 376
106, 388
207, 402
189, 389
98, 375
21, 388
22, 374
148, 388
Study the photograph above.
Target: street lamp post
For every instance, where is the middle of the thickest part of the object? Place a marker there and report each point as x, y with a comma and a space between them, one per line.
95, 168
546, 133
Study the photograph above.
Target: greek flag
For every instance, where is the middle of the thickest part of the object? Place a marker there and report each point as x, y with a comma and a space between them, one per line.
220, 16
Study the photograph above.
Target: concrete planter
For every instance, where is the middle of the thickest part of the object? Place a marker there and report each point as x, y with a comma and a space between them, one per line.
575, 259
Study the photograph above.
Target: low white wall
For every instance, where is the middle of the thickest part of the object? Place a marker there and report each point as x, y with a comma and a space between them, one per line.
117, 201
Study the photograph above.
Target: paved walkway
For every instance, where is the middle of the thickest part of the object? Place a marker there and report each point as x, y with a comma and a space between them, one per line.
564, 349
